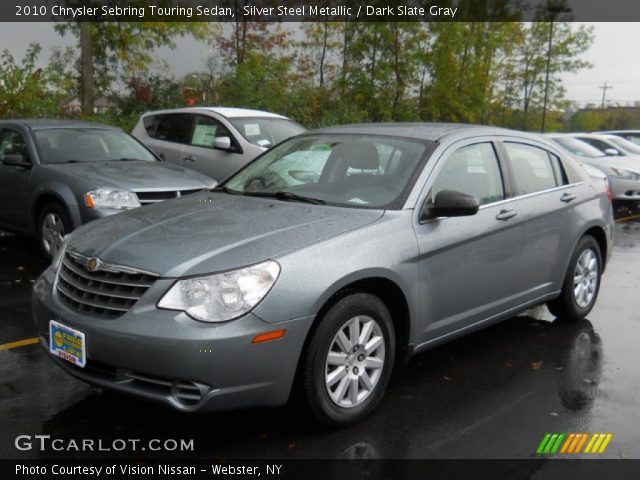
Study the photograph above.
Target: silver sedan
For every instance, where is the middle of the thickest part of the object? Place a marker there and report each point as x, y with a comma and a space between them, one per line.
324, 262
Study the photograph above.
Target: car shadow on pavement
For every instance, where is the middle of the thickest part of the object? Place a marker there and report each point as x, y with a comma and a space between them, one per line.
521, 368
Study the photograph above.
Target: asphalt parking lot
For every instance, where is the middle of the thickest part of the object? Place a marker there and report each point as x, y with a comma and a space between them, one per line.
493, 394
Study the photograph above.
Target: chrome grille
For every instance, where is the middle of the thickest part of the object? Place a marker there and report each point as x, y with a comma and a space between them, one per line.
147, 198
106, 290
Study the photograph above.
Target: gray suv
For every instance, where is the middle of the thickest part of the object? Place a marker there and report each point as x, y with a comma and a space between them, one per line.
215, 141
327, 260
56, 175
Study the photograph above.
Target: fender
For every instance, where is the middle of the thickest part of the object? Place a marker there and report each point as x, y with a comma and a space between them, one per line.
372, 274
60, 191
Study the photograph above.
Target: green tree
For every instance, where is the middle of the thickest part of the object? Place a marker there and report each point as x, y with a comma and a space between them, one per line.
126, 48
24, 88
569, 42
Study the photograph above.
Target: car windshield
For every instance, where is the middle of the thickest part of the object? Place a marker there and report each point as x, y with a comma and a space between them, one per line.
79, 145
264, 131
632, 137
362, 171
625, 145
578, 147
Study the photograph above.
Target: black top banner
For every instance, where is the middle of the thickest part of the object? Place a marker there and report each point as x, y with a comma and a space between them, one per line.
318, 10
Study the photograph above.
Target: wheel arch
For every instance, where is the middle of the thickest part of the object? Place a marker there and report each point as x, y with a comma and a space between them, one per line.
45, 196
598, 233
390, 293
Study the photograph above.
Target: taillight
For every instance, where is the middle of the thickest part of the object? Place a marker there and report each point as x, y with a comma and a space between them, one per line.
608, 191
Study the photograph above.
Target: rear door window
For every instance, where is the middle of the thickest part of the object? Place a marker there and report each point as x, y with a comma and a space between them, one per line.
174, 127
534, 169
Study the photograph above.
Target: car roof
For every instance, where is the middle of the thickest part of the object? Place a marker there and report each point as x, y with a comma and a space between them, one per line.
591, 135
227, 112
38, 124
422, 131
613, 132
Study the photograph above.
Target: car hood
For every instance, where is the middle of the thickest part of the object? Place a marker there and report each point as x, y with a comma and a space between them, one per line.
136, 175
625, 163
212, 231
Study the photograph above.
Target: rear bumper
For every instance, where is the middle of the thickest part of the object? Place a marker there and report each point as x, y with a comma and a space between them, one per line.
167, 357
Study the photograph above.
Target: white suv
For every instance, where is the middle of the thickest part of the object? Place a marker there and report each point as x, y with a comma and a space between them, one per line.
215, 141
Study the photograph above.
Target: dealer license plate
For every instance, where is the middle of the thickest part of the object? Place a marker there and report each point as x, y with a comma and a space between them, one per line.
67, 343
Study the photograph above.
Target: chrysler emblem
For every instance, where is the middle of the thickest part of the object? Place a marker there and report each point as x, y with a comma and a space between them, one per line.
93, 264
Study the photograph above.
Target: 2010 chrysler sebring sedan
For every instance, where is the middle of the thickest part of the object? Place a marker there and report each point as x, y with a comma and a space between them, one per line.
324, 262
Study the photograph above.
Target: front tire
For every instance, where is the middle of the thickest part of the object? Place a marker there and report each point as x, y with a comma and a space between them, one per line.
349, 360
581, 283
53, 225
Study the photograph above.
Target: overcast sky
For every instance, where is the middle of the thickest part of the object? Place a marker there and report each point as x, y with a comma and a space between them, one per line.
614, 55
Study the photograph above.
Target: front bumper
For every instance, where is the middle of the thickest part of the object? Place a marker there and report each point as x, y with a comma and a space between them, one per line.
624, 190
168, 357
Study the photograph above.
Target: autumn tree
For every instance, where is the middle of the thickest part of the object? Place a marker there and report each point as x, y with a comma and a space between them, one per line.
24, 88
111, 48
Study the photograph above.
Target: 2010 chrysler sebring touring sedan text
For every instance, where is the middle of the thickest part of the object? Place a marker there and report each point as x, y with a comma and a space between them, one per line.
327, 260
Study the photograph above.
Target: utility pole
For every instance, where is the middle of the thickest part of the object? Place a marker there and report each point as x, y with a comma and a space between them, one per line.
604, 89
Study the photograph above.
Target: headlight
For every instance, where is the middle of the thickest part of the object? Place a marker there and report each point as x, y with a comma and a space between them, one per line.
625, 174
111, 198
223, 296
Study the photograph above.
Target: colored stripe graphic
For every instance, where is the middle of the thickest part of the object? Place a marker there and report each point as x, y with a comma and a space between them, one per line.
606, 442
572, 443
543, 443
565, 447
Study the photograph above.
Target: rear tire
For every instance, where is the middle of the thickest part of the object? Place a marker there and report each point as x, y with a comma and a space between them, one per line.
349, 360
53, 224
581, 284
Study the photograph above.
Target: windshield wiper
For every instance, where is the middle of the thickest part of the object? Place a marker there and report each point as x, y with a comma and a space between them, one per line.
280, 195
225, 189
125, 159
298, 198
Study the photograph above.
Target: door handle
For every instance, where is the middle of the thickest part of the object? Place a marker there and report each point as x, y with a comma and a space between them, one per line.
506, 214
567, 197
189, 158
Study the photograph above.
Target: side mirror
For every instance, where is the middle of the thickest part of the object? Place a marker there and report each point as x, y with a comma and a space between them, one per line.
222, 143
612, 152
16, 160
450, 203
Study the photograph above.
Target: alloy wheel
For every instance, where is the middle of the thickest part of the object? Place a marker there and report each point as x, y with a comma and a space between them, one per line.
585, 278
52, 233
355, 361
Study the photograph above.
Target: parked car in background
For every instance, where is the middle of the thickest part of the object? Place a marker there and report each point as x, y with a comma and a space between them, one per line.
631, 135
623, 172
215, 141
410, 235
56, 175
610, 144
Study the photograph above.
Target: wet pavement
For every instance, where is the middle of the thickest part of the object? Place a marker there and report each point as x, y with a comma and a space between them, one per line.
493, 394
